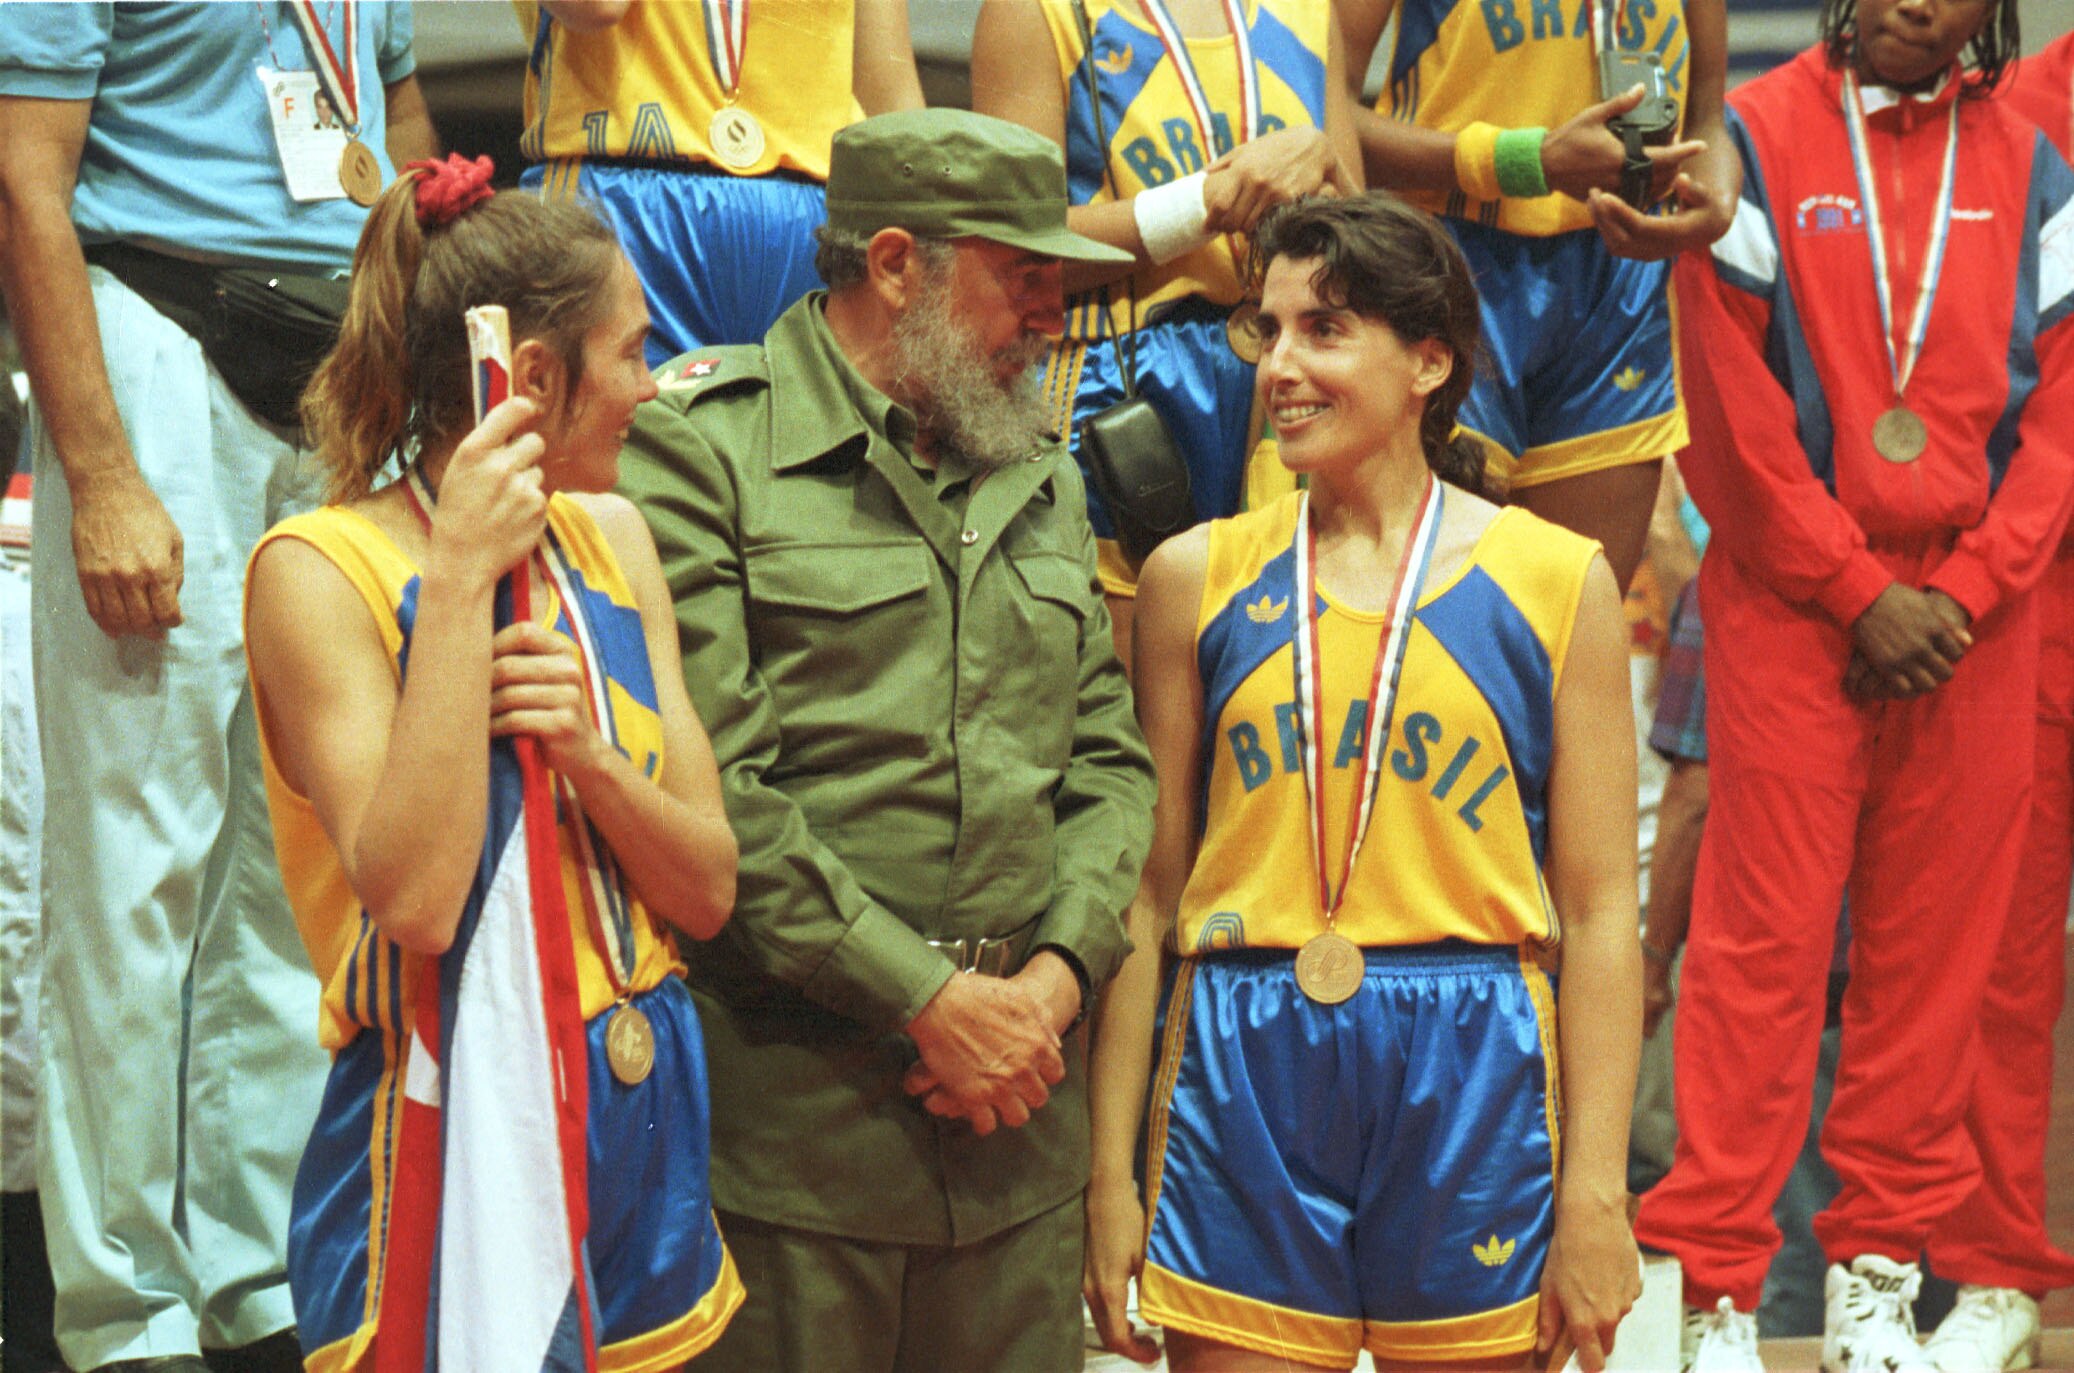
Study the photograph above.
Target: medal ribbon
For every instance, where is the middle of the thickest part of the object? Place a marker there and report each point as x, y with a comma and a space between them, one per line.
604, 898
1382, 686
727, 39
1192, 85
1900, 368
611, 922
341, 79
1606, 24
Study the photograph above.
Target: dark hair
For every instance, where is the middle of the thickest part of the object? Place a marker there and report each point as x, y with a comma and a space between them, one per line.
397, 383
1993, 50
842, 257
1383, 259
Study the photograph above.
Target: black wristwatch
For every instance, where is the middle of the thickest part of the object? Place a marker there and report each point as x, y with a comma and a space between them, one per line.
1087, 990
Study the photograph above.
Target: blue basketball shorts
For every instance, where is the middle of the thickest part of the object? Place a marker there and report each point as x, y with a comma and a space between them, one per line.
1579, 370
1204, 392
720, 257
663, 1284
1378, 1174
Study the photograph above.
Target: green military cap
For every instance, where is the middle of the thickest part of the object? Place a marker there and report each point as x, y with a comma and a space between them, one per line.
946, 173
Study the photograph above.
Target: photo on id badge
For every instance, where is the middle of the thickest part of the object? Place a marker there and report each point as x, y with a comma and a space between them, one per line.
307, 134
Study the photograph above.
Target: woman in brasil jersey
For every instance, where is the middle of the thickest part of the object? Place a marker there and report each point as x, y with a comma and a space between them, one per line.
1397, 790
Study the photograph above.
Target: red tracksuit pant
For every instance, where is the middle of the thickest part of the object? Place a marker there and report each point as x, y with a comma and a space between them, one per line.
1919, 807
1996, 1237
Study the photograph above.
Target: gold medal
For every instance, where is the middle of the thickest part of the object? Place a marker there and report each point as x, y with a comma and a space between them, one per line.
629, 1045
736, 137
1329, 968
359, 174
1899, 435
1242, 331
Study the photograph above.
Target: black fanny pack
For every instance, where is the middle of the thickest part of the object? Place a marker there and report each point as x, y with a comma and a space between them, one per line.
265, 331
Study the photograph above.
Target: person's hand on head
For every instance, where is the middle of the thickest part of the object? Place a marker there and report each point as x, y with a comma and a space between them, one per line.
1267, 171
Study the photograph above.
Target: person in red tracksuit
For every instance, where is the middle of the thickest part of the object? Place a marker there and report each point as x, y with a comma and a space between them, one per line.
1886, 484
1995, 1242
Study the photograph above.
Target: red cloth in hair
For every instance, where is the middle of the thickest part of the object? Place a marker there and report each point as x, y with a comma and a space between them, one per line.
451, 187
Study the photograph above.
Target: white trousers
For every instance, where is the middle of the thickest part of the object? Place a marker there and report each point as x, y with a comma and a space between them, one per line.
178, 1021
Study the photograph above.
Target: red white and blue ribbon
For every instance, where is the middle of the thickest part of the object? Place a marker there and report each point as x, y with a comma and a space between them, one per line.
1901, 365
727, 39
489, 1203
610, 918
340, 78
1382, 686
1606, 23
1176, 47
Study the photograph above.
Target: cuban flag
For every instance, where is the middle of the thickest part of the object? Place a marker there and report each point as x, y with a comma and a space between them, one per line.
485, 1269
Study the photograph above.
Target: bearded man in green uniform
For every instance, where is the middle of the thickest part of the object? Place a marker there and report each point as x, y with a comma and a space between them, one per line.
885, 588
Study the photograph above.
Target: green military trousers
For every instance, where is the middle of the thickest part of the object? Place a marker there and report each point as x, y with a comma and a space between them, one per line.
1006, 1304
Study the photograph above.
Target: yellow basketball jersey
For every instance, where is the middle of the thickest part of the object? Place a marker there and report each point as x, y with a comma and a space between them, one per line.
1458, 833
644, 89
1152, 135
1516, 64
369, 981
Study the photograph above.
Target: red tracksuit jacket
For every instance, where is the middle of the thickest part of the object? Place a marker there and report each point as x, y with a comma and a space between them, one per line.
1785, 371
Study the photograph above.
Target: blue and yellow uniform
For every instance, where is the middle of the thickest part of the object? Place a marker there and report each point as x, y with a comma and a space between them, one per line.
1379, 1173
1583, 371
664, 1284
624, 114
1185, 363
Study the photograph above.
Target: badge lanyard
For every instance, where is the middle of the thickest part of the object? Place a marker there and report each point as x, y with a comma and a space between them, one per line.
727, 39
1382, 687
1902, 365
1176, 47
341, 79
1606, 23
734, 134
359, 172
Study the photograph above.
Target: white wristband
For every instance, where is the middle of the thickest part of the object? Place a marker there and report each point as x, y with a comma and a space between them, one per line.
1172, 219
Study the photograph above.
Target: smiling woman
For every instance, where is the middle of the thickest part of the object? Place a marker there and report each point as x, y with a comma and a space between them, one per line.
1386, 612
1381, 314
389, 670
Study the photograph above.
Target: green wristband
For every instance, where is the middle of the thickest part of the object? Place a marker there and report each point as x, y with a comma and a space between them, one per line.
1519, 163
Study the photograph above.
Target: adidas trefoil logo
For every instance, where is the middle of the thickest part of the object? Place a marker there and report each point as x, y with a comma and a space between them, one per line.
1628, 378
1497, 1251
1266, 610
1116, 61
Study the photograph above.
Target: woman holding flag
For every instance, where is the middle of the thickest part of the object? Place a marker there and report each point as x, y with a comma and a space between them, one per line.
489, 790
1354, 1139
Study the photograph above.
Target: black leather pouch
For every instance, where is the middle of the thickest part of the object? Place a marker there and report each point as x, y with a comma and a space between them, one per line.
265, 331
1138, 471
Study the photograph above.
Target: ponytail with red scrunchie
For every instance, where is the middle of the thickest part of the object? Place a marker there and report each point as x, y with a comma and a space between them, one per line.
450, 188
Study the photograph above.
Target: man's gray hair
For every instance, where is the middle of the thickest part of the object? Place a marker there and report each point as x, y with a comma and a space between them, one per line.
840, 255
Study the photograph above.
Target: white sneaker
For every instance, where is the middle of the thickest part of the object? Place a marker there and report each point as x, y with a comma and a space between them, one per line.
1723, 1340
1869, 1324
1991, 1328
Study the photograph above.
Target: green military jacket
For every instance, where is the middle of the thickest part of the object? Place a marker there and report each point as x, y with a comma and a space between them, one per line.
923, 733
